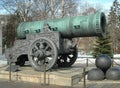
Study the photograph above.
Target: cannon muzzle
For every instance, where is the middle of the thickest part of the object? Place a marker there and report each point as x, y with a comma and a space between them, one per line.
70, 27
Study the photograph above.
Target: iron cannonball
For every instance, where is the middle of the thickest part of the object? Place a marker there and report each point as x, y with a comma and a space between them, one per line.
113, 73
95, 74
103, 62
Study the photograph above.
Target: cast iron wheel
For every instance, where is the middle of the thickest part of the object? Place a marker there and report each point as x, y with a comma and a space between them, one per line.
21, 60
67, 60
42, 52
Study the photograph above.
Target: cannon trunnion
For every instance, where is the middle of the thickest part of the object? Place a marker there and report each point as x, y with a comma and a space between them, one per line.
53, 47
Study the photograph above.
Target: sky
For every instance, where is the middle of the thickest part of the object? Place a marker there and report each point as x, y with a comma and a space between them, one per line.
104, 4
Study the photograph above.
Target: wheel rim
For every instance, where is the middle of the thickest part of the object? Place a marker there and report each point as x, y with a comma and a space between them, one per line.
43, 52
66, 60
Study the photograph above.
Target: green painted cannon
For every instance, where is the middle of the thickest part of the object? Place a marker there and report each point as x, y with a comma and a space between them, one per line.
71, 27
49, 42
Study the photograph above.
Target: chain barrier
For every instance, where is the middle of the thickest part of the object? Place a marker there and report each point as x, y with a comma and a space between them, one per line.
91, 62
88, 60
83, 60
116, 63
4, 66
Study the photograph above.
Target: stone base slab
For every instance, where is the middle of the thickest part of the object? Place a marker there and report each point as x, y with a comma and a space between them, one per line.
64, 77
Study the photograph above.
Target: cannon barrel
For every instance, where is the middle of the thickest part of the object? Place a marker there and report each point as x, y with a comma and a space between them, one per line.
70, 27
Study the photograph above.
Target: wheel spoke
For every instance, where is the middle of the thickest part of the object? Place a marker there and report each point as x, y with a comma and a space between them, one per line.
42, 45
46, 48
48, 53
35, 60
34, 50
38, 45
70, 57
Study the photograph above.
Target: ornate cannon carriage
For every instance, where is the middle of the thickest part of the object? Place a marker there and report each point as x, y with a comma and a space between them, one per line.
50, 41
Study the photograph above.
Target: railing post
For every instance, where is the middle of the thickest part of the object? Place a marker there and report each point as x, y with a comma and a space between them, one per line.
44, 72
10, 63
84, 79
87, 62
10, 72
112, 62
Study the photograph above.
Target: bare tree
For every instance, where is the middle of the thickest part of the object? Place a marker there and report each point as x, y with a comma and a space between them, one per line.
114, 26
41, 9
29, 10
20, 7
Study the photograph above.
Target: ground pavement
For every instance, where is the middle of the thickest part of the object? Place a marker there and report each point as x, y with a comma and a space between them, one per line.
7, 84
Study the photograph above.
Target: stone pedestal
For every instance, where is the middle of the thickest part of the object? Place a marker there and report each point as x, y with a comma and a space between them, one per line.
67, 77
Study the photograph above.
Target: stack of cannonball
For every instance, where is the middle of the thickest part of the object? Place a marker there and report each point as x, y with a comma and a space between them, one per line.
103, 63
113, 73
103, 70
95, 74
